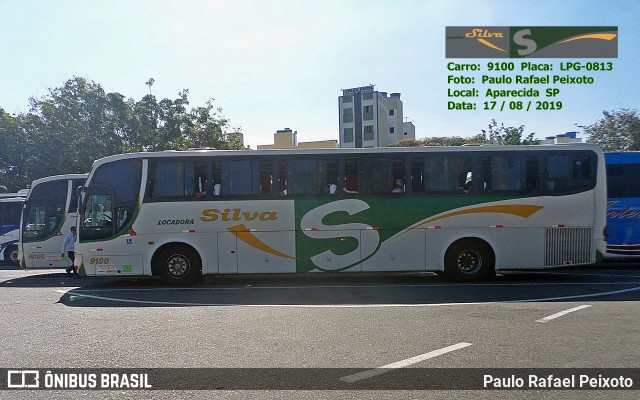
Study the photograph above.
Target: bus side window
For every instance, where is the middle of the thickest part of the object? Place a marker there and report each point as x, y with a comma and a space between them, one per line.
124, 216
282, 178
331, 176
531, 174
398, 178
351, 181
216, 178
417, 175
266, 178
379, 178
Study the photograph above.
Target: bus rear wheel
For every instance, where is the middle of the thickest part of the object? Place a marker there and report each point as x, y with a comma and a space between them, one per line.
179, 265
469, 260
11, 254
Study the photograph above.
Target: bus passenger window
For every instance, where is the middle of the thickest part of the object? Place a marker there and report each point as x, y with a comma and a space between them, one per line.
282, 179
351, 176
397, 167
124, 216
379, 177
531, 174
331, 176
446, 174
417, 175
266, 178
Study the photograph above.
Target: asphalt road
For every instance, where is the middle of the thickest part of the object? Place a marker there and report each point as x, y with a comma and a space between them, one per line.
338, 327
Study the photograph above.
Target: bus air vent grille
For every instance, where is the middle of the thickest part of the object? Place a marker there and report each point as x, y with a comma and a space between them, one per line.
569, 246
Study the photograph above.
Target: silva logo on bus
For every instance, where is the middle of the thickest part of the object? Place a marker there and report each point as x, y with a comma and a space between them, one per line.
531, 42
617, 210
367, 238
213, 214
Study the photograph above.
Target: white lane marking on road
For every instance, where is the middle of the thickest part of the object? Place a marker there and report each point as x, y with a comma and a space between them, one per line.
561, 313
402, 363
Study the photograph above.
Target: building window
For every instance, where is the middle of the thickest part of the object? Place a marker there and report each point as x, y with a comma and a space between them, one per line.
348, 135
406, 133
367, 113
368, 132
392, 130
347, 99
392, 112
347, 115
367, 96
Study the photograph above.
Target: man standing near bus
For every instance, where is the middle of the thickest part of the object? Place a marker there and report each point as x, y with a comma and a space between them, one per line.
68, 247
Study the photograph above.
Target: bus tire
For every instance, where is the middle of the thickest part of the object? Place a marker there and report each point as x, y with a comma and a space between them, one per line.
469, 260
179, 265
11, 254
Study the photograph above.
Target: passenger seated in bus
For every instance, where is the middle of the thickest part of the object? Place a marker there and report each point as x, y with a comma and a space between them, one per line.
466, 188
216, 189
331, 189
399, 186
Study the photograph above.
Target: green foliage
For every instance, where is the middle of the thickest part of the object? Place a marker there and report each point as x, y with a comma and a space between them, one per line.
432, 141
13, 171
70, 127
506, 135
617, 130
494, 135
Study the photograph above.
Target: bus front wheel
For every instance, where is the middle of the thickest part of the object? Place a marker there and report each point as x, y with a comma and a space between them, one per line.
469, 260
179, 265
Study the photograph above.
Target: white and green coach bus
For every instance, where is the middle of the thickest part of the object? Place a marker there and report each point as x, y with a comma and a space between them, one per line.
464, 211
49, 212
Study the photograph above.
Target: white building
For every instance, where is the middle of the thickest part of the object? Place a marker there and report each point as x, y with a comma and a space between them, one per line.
369, 118
568, 137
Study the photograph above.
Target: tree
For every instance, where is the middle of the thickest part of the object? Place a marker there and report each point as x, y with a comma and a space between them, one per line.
208, 128
12, 155
505, 135
617, 130
73, 125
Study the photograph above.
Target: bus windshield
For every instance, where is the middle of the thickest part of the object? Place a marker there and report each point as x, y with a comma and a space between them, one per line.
45, 210
50, 211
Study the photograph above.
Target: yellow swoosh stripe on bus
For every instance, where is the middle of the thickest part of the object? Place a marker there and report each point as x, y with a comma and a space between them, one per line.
601, 36
493, 46
243, 233
520, 210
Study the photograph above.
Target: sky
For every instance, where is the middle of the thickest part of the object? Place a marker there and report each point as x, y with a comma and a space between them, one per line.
282, 64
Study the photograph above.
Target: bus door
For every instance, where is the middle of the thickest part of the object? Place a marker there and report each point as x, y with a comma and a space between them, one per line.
227, 253
252, 252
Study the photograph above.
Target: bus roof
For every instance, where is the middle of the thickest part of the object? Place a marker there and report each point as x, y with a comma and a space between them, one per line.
345, 151
57, 178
